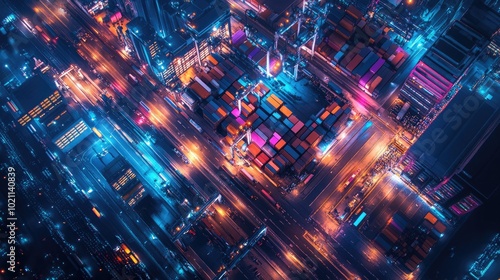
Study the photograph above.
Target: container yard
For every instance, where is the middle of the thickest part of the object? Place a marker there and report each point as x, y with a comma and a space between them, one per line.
280, 141
372, 64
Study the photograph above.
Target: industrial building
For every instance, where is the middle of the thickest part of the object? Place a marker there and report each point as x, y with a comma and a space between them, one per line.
37, 98
452, 162
143, 40
171, 37
70, 137
449, 58
123, 178
37, 103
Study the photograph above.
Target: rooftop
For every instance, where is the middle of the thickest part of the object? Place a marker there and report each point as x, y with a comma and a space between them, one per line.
455, 133
481, 171
202, 15
141, 29
33, 91
279, 7
482, 18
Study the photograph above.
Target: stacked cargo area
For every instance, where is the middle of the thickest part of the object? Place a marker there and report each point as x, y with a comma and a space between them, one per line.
236, 107
406, 245
362, 50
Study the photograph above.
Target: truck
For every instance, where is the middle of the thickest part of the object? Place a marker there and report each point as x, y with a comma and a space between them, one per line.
268, 196
132, 79
172, 104
196, 125
247, 176
144, 106
333, 86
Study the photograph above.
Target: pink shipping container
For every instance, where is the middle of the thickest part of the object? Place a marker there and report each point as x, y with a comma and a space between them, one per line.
257, 140
296, 128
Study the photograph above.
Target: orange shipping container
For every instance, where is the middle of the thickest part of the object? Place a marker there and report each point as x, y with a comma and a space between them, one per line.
222, 112
324, 115
285, 111
272, 164
212, 60
334, 110
253, 149
228, 97
202, 93
431, 218
273, 103
354, 62
374, 83
277, 99
280, 144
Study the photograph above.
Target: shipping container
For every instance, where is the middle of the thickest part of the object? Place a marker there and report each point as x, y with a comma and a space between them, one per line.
389, 235
299, 166
261, 160
200, 90
383, 243
313, 138
431, 218
365, 65
410, 265
268, 150
297, 127
291, 151
440, 227
288, 157
271, 169
354, 63
253, 150
281, 143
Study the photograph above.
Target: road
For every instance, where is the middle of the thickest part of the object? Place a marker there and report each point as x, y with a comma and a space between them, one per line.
290, 228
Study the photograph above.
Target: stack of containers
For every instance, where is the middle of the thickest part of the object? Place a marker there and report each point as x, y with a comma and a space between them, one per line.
200, 88
228, 98
365, 65
212, 60
398, 58
238, 38
272, 168
304, 160
261, 159
214, 112
385, 74
261, 89
253, 150
254, 52
367, 77
391, 51
258, 56
250, 50
246, 110
245, 46
281, 162
211, 82
351, 54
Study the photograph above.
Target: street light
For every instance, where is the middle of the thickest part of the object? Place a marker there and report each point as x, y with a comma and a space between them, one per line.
7, 66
